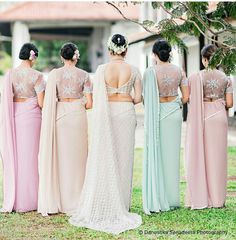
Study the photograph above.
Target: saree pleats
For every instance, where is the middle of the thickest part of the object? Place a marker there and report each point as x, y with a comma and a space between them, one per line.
71, 145
170, 141
215, 139
21, 174
162, 125
123, 121
27, 125
63, 152
205, 150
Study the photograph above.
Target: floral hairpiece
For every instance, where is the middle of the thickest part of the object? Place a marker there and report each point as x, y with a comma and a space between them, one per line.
115, 48
32, 55
76, 55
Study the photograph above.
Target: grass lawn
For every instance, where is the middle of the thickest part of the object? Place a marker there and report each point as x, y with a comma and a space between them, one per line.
31, 226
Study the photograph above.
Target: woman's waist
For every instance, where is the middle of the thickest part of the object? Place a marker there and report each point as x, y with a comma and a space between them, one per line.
166, 99
213, 99
70, 99
120, 97
20, 99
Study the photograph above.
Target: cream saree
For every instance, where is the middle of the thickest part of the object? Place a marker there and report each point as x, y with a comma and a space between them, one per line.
63, 152
102, 205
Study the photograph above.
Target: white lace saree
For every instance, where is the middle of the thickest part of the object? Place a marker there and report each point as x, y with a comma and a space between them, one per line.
101, 206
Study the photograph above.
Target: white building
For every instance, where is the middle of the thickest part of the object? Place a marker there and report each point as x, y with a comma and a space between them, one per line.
88, 21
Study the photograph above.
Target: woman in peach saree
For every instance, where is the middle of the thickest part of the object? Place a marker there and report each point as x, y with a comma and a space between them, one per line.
206, 137
64, 136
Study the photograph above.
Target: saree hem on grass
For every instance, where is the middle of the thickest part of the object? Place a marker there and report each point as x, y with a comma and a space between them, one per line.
162, 125
205, 149
102, 205
21, 128
63, 152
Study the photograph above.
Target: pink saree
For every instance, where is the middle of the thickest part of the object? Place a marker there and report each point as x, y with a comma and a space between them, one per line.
21, 129
205, 149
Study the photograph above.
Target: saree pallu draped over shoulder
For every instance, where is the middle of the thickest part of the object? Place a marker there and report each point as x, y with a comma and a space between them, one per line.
162, 123
21, 130
205, 149
63, 152
105, 198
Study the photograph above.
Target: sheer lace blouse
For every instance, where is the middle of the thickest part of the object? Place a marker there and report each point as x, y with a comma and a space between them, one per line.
215, 84
72, 82
169, 78
27, 82
134, 83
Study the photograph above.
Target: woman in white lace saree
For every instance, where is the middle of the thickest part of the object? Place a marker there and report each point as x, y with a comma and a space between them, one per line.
105, 198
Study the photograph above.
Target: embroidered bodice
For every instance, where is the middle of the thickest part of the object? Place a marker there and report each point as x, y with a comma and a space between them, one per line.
27, 82
72, 82
215, 84
169, 78
134, 83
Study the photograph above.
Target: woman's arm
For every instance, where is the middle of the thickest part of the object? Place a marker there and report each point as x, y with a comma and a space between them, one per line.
138, 88
185, 94
229, 100
40, 87
184, 87
40, 97
89, 102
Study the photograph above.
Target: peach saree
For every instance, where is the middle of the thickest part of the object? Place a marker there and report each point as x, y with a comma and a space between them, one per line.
62, 153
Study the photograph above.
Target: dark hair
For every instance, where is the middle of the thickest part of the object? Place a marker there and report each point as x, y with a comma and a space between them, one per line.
68, 50
119, 40
208, 51
162, 49
25, 51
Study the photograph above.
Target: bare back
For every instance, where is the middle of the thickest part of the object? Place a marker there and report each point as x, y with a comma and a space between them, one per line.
120, 79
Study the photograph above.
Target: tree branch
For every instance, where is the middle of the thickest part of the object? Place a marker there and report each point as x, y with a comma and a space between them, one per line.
128, 19
176, 17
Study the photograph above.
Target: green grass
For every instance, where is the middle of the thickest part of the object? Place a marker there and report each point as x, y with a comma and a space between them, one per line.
33, 226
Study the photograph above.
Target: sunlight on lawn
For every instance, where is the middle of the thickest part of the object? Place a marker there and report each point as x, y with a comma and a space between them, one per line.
33, 226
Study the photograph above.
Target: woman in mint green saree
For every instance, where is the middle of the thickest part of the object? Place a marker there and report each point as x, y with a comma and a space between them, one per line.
163, 121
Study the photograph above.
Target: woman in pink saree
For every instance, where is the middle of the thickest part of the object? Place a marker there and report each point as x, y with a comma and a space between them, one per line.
206, 139
22, 100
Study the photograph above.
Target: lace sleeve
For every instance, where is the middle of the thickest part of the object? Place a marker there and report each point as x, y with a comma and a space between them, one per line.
229, 88
137, 87
40, 84
184, 80
88, 86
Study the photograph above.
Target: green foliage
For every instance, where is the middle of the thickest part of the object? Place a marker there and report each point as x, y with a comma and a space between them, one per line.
49, 55
5, 62
197, 21
225, 9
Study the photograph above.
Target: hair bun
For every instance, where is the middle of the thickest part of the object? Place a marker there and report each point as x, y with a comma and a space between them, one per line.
68, 51
119, 40
162, 49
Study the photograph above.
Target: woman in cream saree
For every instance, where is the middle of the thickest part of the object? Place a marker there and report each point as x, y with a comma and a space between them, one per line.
64, 141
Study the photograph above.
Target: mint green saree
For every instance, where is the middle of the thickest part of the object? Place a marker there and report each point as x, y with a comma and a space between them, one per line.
162, 125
